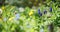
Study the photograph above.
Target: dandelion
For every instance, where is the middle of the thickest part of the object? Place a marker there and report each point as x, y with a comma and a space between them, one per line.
31, 12
3, 7
11, 18
50, 9
39, 12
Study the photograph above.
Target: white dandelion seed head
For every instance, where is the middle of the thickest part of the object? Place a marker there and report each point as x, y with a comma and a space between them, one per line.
0, 11
21, 9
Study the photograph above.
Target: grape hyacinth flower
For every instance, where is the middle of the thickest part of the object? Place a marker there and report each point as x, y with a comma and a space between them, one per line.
45, 12
50, 9
39, 12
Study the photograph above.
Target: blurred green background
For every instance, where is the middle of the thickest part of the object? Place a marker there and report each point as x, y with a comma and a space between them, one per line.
29, 15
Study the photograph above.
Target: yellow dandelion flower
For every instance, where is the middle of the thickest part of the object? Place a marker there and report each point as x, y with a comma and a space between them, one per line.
0, 19
31, 12
11, 18
3, 7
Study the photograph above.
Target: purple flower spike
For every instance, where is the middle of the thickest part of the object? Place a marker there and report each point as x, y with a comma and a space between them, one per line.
39, 12
45, 12
50, 9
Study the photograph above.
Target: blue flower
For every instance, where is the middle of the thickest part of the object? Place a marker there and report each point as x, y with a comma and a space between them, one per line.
50, 9
17, 16
45, 12
39, 12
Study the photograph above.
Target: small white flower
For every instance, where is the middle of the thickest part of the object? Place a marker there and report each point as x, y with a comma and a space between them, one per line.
21, 9
0, 11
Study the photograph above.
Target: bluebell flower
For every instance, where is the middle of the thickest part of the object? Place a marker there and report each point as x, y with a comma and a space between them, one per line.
50, 9
17, 16
39, 12
45, 12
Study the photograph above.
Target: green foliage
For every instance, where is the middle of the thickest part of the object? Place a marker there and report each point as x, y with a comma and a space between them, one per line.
33, 22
